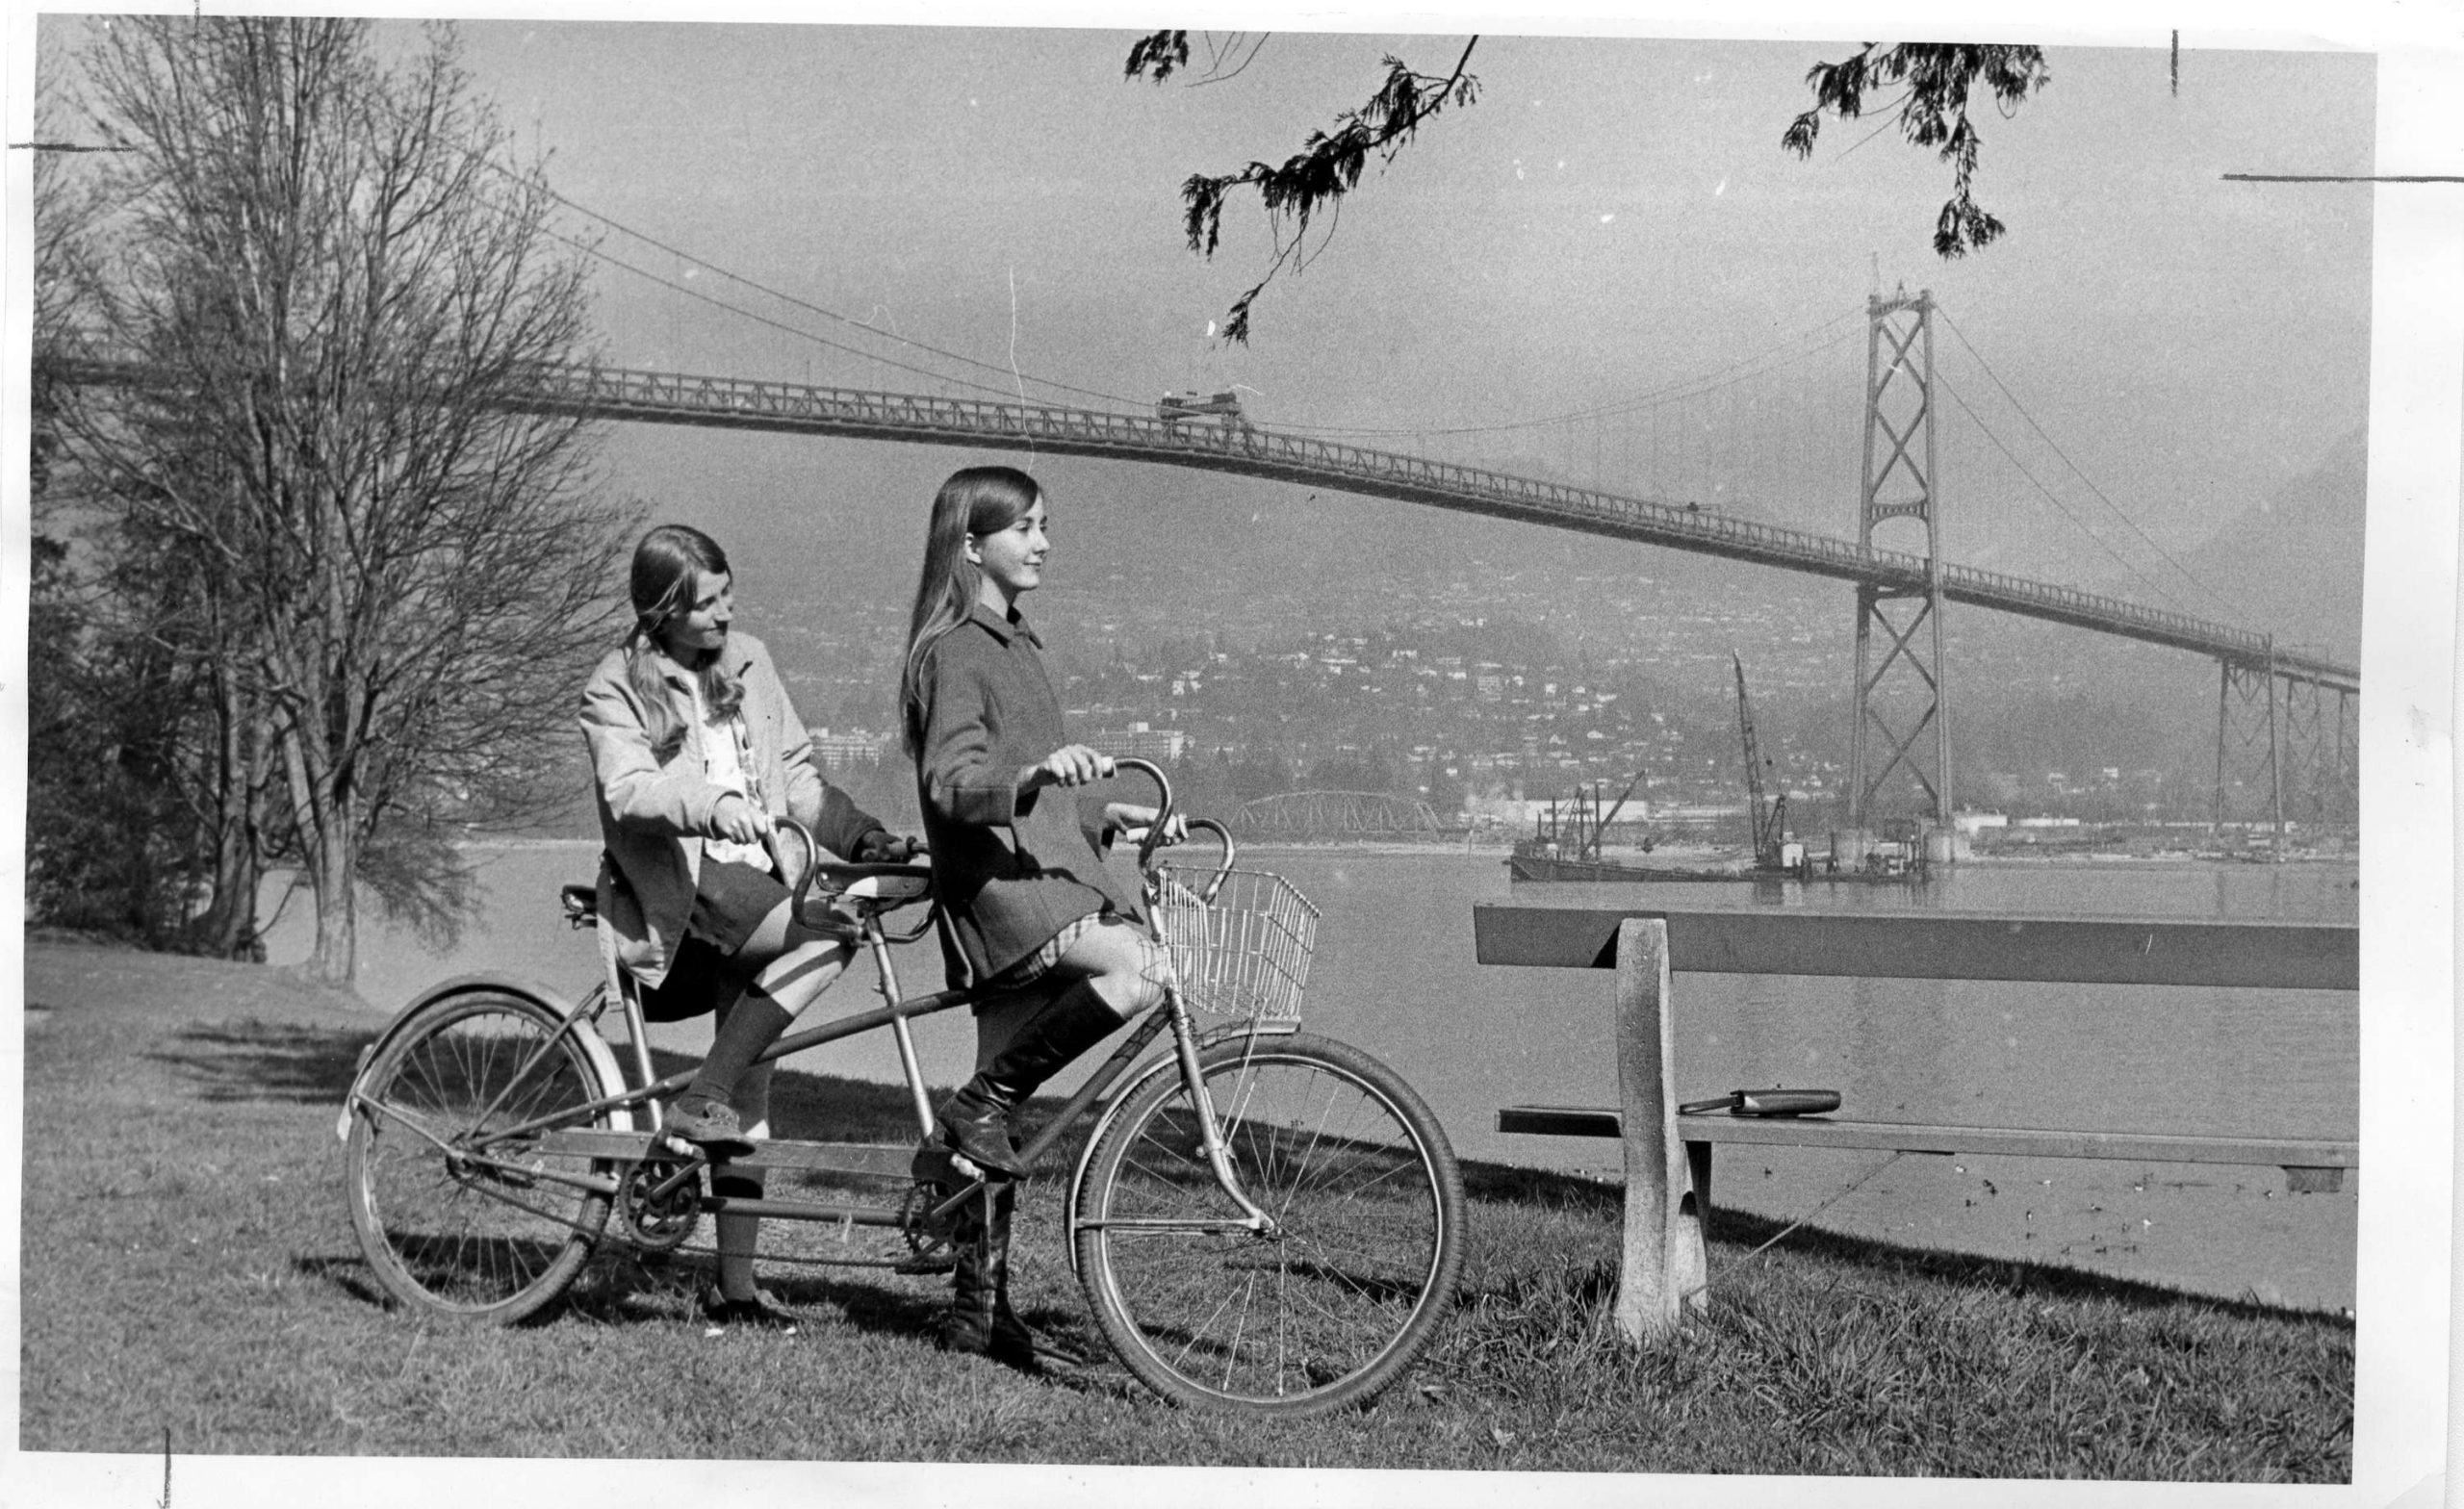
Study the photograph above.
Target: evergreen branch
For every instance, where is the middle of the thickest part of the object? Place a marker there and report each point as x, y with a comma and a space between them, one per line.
1940, 77
1327, 166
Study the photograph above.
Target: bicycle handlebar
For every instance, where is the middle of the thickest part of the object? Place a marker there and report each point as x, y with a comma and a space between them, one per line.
813, 859
1154, 772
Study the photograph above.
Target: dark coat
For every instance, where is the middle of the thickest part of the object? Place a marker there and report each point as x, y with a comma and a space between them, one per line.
1012, 871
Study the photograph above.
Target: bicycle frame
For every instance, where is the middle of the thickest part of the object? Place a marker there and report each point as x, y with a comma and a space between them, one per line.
925, 1161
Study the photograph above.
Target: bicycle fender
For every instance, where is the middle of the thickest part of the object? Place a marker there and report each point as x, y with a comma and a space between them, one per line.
1170, 1061
602, 1060
1086, 1150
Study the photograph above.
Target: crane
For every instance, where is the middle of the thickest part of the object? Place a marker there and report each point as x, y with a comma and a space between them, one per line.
1768, 825
1600, 828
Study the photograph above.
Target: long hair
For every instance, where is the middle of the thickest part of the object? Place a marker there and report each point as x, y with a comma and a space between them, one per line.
665, 565
975, 500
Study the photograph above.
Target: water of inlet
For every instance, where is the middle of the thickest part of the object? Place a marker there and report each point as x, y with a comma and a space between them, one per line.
1393, 973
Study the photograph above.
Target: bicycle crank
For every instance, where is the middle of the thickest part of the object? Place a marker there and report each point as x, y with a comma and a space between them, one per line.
659, 1208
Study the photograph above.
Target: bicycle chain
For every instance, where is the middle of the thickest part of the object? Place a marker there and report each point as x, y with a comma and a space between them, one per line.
927, 1254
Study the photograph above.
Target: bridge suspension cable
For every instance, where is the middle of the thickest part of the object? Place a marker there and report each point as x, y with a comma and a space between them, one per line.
2101, 543
793, 300
2189, 576
1678, 392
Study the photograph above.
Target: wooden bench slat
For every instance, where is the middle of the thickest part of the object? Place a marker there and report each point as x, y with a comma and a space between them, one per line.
1939, 946
1914, 1138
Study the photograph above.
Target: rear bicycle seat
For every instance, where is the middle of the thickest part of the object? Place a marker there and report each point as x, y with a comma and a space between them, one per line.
872, 887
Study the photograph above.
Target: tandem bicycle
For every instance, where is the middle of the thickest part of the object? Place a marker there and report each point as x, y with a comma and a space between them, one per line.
1261, 1219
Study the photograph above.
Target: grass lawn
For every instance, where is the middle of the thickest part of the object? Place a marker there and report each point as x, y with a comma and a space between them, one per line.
188, 1265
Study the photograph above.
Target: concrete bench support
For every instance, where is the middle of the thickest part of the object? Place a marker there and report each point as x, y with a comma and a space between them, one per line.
1665, 1269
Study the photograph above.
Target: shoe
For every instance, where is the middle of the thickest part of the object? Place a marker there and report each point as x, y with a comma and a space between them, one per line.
977, 1129
980, 1320
975, 1321
761, 1310
1013, 1343
710, 1125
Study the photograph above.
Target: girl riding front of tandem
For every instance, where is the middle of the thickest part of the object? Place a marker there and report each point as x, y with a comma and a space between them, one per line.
1028, 910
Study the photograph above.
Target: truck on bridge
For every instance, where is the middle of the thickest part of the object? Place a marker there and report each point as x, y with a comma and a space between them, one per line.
1173, 407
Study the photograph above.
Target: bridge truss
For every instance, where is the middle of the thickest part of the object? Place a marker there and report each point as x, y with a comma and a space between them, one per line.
1335, 814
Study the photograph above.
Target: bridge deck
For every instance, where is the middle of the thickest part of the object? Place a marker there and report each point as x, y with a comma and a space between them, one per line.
1246, 449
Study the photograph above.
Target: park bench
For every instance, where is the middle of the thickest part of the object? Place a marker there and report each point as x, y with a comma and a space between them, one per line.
1668, 1151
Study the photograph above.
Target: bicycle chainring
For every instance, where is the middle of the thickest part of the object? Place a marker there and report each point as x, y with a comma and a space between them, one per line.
928, 1245
662, 1223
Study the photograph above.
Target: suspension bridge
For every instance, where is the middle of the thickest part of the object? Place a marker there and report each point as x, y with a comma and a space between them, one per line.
2282, 709
1256, 450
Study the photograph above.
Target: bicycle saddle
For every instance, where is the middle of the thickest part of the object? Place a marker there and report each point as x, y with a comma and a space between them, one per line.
885, 884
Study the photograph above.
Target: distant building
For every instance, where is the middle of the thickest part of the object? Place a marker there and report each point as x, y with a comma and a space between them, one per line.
1139, 741
852, 747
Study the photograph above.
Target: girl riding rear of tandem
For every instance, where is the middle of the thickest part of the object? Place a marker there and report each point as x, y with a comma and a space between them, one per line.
1027, 907
697, 751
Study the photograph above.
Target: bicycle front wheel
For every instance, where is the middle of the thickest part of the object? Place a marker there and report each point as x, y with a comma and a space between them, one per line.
459, 1210
1331, 1303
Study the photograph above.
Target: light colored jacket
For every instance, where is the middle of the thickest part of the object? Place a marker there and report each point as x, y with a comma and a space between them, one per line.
653, 817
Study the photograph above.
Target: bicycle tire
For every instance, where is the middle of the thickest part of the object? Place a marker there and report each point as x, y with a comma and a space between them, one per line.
1326, 1311
445, 1233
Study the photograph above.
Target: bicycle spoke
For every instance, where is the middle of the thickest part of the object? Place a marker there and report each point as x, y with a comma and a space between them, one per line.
455, 1210
1328, 1303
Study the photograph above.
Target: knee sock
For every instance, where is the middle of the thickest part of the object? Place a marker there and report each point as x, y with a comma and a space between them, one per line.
737, 1233
754, 1023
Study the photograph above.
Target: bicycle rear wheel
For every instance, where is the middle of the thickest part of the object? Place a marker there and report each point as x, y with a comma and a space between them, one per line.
1328, 1307
457, 1218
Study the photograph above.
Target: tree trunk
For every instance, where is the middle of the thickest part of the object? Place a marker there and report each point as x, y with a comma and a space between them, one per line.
329, 871
228, 928
322, 817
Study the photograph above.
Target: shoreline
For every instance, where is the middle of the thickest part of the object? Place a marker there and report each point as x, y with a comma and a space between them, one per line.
1678, 855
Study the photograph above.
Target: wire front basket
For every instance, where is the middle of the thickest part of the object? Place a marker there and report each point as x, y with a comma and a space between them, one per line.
1248, 952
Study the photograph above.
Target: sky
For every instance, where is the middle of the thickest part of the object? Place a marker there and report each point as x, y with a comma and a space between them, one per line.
1611, 215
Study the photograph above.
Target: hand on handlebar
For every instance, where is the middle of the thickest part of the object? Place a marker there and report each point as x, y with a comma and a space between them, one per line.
1070, 765
1129, 821
881, 847
737, 819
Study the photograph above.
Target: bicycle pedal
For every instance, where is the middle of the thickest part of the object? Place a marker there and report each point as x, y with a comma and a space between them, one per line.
926, 1262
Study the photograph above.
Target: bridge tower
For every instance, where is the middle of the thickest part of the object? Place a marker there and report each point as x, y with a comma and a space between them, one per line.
2283, 747
1900, 698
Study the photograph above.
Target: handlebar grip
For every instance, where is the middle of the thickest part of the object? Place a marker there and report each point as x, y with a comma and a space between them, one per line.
1163, 803
1223, 866
802, 884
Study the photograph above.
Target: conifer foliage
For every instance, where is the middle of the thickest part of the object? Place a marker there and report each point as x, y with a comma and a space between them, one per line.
1940, 77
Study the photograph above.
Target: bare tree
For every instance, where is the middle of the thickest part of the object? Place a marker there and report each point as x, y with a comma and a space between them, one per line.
334, 296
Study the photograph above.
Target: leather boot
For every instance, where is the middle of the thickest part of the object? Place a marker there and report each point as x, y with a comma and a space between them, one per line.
975, 1121
980, 1319
967, 1327
1012, 1342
